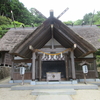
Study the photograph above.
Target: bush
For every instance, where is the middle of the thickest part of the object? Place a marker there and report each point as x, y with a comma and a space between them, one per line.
4, 72
18, 24
4, 20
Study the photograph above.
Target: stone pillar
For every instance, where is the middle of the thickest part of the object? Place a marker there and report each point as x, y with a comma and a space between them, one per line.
73, 65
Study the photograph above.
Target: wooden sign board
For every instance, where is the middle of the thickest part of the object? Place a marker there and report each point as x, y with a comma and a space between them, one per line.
22, 70
85, 69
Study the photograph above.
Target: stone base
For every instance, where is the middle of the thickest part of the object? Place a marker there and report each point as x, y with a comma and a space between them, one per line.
87, 80
74, 82
97, 80
11, 81
32, 83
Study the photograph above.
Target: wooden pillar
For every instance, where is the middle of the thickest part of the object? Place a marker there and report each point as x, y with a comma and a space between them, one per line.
95, 68
66, 63
12, 69
36, 74
33, 66
73, 65
40, 69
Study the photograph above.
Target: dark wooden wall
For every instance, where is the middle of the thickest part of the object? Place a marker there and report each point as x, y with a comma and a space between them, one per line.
91, 69
27, 76
5, 58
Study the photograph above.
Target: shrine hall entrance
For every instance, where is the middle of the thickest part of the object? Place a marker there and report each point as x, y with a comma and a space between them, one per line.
53, 66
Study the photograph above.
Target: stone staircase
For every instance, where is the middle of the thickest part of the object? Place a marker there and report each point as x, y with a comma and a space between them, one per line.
55, 86
53, 94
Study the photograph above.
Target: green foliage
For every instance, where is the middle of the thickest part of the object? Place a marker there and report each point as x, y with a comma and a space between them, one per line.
38, 18
88, 18
20, 13
4, 20
18, 24
98, 57
97, 18
78, 22
68, 23
5, 24
3, 30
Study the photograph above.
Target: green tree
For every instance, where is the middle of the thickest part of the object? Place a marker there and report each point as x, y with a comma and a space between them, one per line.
87, 18
78, 22
97, 18
20, 13
68, 23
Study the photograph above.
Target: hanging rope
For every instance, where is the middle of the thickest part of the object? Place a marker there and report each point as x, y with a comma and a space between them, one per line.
54, 53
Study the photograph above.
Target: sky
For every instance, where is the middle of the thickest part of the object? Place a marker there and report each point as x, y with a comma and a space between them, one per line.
77, 8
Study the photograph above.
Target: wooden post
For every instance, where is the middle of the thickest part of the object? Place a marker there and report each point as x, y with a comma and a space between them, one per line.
12, 69
73, 65
33, 66
85, 78
40, 70
36, 69
22, 79
66, 63
95, 68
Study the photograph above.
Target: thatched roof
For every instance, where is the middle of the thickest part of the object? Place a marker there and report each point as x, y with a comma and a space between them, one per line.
17, 41
13, 37
90, 33
65, 35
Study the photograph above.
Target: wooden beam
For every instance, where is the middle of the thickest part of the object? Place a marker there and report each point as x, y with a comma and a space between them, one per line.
34, 39
33, 66
73, 42
73, 65
23, 60
54, 50
83, 44
52, 45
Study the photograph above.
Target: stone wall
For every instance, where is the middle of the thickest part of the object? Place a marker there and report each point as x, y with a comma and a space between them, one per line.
4, 72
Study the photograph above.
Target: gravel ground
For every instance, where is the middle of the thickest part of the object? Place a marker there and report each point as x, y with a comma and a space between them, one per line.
87, 95
8, 94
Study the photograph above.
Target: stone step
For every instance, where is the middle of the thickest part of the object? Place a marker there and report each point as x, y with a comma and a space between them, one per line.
55, 86
53, 92
7, 85
54, 97
59, 82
